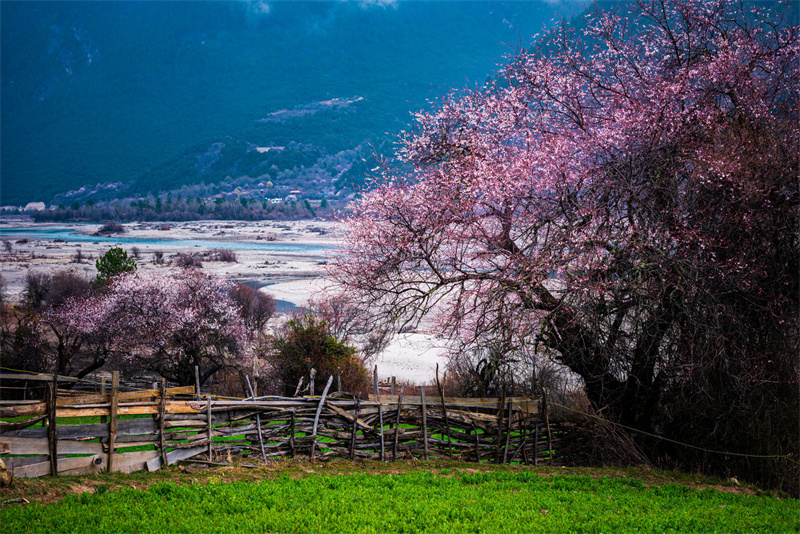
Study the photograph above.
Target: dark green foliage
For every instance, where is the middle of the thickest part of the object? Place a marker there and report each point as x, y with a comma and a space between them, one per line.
113, 262
305, 343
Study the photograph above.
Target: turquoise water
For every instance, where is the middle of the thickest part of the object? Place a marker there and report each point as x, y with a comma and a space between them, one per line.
70, 235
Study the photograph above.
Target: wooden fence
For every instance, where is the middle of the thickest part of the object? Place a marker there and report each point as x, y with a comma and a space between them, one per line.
150, 428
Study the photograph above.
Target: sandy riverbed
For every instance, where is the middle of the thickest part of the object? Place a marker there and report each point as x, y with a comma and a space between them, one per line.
290, 275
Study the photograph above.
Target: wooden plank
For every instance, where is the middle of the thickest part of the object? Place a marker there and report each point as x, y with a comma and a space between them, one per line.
41, 446
185, 424
424, 421
355, 428
126, 427
523, 404
20, 425
112, 422
128, 462
154, 464
52, 435
67, 411
162, 415
349, 417
35, 378
124, 396
13, 462
43, 468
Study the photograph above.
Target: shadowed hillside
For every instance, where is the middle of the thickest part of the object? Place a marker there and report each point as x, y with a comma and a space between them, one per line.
151, 96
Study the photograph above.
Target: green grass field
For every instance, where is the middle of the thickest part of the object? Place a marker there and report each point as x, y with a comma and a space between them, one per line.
399, 497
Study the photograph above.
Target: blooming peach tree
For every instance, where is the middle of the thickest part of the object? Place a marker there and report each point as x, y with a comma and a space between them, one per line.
165, 322
624, 199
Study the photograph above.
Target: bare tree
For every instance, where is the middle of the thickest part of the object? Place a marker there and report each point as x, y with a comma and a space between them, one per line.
256, 307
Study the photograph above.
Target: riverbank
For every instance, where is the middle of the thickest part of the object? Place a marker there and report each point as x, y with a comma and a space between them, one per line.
265, 252
286, 259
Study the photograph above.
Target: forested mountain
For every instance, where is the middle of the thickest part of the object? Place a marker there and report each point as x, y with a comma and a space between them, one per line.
146, 97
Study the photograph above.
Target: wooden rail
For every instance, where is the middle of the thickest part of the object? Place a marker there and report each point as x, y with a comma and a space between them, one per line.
148, 429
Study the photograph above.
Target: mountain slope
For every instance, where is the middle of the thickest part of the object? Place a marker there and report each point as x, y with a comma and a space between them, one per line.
162, 94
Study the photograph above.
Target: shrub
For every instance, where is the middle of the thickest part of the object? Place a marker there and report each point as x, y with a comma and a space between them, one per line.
188, 261
305, 343
111, 228
224, 254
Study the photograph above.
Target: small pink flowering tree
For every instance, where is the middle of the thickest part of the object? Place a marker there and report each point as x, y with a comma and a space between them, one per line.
165, 322
624, 199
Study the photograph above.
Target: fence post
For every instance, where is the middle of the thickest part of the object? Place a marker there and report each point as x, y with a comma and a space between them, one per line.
299, 387
103, 418
313, 375
477, 444
524, 434
258, 422
424, 422
380, 409
162, 415
444, 411
547, 424
316, 416
112, 424
291, 435
52, 434
397, 424
508, 429
197, 380
208, 418
500, 409
355, 427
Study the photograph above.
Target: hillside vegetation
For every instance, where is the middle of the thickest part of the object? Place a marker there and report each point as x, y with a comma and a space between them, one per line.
151, 96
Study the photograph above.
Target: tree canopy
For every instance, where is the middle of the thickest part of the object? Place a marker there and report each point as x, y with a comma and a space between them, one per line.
305, 342
623, 199
165, 322
112, 263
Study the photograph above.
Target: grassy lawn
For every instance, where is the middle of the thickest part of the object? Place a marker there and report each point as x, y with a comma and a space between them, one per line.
378, 497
